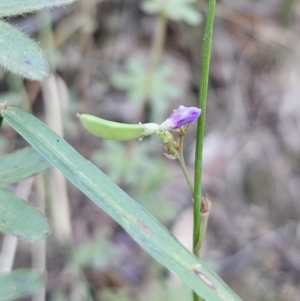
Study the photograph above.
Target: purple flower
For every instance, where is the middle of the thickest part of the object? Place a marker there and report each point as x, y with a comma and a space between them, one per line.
182, 116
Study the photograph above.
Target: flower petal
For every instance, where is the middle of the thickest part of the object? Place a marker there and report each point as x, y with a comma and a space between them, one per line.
182, 116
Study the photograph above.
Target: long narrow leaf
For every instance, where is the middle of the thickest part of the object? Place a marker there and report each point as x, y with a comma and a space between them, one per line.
18, 283
21, 164
17, 7
21, 55
142, 226
20, 219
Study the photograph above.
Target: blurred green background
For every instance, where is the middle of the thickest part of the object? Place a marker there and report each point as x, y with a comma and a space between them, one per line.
102, 54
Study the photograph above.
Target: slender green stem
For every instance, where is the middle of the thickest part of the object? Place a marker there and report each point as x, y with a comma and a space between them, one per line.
198, 221
183, 165
203, 224
174, 150
46, 37
201, 121
158, 42
157, 46
155, 56
205, 209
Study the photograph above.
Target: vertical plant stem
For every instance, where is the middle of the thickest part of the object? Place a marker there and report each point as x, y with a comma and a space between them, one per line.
183, 165
54, 112
198, 222
158, 42
205, 209
155, 55
46, 37
8, 252
201, 121
38, 250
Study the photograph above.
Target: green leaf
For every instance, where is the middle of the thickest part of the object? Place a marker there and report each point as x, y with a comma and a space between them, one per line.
17, 7
186, 13
142, 226
176, 10
20, 165
136, 81
152, 6
123, 166
21, 55
162, 88
20, 219
18, 283
95, 253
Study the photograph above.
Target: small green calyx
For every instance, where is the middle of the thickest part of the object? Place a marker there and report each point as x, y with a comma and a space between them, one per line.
149, 128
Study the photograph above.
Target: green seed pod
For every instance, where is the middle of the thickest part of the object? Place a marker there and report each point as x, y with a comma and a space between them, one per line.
116, 131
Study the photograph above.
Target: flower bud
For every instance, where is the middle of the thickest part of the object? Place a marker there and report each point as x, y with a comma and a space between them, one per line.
182, 116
